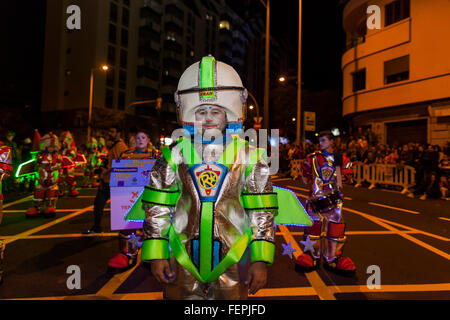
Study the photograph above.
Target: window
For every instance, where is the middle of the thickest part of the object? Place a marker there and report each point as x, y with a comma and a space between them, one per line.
125, 17
224, 25
109, 98
359, 80
396, 11
396, 70
121, 101
122, 79
110, 77
123, 58
113, 12
124, 38
126, 3
112, 33
111, 55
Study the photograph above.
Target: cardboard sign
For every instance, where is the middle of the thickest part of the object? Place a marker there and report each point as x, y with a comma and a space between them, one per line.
128, 179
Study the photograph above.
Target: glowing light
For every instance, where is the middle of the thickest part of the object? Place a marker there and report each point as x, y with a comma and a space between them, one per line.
251, 107
23, 164
293, 119
282, 79
105, 68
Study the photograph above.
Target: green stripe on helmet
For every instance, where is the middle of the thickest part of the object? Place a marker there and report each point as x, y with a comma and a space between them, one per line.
207, 75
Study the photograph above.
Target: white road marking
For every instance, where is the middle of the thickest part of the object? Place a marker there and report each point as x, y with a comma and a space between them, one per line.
394, 208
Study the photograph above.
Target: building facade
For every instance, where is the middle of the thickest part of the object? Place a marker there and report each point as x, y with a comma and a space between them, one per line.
147, 44
396, 79
107, 36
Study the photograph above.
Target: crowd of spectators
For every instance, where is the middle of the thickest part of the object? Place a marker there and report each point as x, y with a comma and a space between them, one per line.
431, 162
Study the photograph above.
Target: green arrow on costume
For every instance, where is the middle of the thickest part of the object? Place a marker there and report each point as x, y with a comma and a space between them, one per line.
207, 75
290, 210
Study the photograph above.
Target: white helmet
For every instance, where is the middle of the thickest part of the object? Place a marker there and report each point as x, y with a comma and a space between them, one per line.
210, 82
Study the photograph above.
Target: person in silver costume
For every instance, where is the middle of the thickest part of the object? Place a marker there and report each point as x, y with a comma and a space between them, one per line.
229, 221
326, 170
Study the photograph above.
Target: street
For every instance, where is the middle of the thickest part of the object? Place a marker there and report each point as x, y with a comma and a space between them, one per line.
408, 239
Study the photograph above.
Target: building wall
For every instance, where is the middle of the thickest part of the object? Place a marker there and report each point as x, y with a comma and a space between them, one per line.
424, 37
70, 56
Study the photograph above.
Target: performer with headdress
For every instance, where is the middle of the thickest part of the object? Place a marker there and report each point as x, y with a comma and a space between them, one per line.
46, 190
68, 152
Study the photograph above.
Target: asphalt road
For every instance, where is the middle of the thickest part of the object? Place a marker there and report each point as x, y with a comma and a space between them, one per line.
407, 239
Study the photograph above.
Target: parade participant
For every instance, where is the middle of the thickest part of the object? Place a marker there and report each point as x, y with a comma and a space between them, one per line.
325, 238
102, 145
66, 179
9, 184
46, 190
193, 199
6, 170
94, 161
103, 193
128, 247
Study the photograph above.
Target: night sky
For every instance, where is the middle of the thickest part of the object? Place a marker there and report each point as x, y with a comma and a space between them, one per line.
323, 37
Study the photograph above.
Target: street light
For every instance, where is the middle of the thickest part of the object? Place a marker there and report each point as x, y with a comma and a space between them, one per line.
250, 107
282, 79
91, 93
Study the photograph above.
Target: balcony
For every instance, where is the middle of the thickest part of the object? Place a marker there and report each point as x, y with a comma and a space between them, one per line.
148, 12
149, 62
381, 40
151, 24
147, 83
174, 19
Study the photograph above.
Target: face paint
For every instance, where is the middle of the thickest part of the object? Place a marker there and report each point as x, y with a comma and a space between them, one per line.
211, 118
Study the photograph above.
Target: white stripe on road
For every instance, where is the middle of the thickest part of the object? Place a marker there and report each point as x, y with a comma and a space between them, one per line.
307, 190
394, 208
385, 224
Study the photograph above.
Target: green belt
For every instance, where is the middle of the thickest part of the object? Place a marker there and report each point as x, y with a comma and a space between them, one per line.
233, 256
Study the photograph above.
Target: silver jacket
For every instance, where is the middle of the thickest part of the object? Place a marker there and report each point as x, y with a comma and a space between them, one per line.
230, 219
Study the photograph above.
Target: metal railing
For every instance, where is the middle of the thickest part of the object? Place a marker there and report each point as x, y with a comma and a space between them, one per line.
386, 174
389, 174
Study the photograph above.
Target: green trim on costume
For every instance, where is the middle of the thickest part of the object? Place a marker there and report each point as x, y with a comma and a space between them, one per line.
232, 257
164, 197
261, 250
228, 156
167, 153
207, 75
153, 249
189, 152
259, 201
290, 210
206, 234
